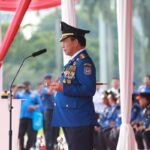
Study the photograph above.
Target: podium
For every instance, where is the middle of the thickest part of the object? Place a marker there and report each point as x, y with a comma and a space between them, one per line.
4, 124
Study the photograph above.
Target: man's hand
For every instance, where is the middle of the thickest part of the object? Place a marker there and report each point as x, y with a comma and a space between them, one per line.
31, 108
57, 86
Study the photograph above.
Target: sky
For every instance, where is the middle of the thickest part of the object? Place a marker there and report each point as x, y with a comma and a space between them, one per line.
31, 17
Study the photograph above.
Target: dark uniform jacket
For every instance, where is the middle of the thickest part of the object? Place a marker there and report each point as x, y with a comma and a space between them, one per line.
73, 106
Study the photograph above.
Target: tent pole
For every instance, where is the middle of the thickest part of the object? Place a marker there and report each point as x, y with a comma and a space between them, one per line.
68, 16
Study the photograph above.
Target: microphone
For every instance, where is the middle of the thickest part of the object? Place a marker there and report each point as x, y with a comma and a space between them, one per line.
34, 54
99, 83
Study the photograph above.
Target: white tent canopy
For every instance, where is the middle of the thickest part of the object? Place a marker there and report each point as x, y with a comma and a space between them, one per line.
125, 44
68, 16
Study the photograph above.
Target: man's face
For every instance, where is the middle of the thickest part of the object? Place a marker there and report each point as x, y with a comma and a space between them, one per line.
48, 80
27, 87
68, 46
147, 81
143, 102
115, 83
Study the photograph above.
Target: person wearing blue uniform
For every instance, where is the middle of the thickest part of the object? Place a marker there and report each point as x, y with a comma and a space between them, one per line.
99, 137
30, 102
146, 86
47, 99
113, 112
142, 132
108, 125
136, 108
73, 108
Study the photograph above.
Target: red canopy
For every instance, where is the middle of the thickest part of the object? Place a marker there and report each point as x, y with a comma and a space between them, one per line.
20, 6
11, 5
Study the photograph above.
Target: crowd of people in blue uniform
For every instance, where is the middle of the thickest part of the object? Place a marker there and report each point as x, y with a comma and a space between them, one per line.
33, 103
109, 116
107, 112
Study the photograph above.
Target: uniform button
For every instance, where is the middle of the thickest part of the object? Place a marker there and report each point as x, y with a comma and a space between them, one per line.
54, 104
67, 105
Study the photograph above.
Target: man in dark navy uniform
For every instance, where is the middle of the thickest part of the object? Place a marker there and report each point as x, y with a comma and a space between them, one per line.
73, 108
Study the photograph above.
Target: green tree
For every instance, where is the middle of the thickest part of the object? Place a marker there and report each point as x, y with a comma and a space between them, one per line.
143, 10
33, 69
105, 15
141, 37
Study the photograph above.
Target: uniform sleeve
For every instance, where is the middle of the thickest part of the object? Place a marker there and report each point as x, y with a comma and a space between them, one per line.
38, 101
134, 112
44, 91
85, 75
18, 95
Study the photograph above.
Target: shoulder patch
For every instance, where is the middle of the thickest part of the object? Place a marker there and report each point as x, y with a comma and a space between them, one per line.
87, 69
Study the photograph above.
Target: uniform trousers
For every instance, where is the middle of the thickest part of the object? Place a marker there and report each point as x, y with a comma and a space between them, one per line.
143, 139
25, 127
50, 133
146, 137
79, 138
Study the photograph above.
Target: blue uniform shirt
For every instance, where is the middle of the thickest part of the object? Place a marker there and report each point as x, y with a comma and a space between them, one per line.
118, 120
144, 89
29, 99
111, 116
47, 99
144, 116
136, 109
74, 106
103, 116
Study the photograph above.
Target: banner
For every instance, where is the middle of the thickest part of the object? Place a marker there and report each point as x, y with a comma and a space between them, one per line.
20, 7
11, 5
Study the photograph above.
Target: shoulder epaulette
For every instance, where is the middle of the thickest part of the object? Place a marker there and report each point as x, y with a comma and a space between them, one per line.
82, 56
